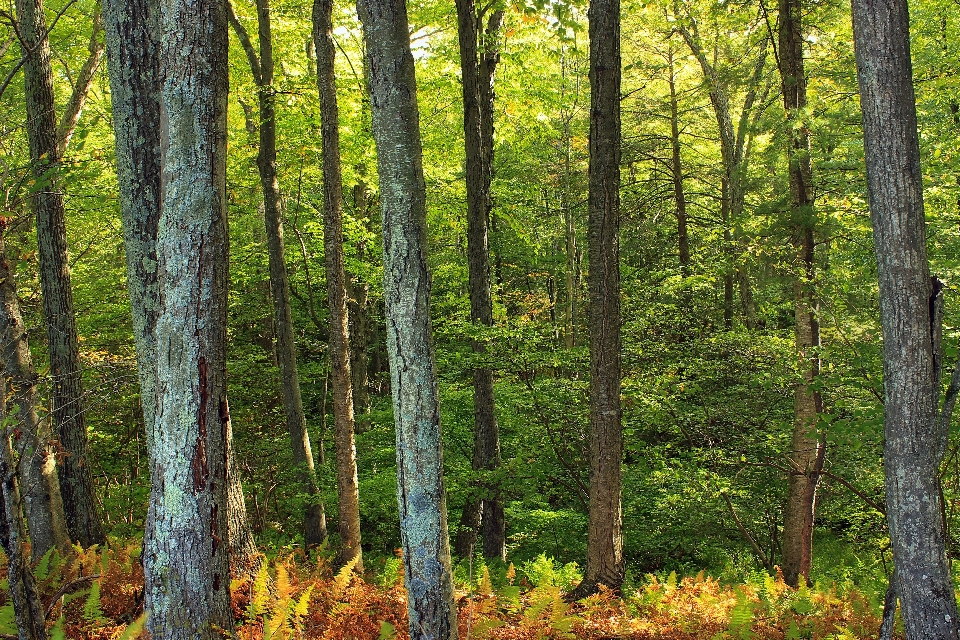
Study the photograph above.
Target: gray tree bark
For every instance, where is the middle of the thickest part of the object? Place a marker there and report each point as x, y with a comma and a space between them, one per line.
483, 508
76, 480
314, 519
187, 578
807, 452
413, 375
27, 606
915, 442
348, 492
36, 466
604, 535
131, 39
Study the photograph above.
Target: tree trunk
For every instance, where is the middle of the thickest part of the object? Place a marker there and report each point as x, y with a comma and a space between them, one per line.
676, 168
347, 485
187, 579
413, 374
914, 442
806, 451
36, 466
359, 315
76, 480
483, 508
604, 537
131, 39
314, 520
71, 114
733, 156
27, 606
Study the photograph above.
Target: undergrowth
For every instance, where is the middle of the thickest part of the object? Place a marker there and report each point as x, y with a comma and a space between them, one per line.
98, 595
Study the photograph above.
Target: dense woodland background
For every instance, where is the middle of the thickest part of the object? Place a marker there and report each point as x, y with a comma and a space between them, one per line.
708, 374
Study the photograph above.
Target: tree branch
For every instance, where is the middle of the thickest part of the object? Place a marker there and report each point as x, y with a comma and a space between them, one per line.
71, 115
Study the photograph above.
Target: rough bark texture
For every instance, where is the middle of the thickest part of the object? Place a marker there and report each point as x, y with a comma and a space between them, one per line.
413, 375
347, 485
186, 571
806, 450
76, 480
36, 466
484, 507
131, 39
914, 441
314, 519
604, 537
27, 606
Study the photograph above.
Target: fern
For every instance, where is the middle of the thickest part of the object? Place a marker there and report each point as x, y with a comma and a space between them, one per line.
260, 593
741, 617
485, 587
91, 608
387, 631
134, 629
343, 577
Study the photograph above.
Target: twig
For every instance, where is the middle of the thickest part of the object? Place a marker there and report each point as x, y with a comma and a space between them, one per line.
856, 491
746, 534
67, 587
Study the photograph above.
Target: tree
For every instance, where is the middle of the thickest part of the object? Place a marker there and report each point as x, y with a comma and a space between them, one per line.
413, 374
486, 509
135, 87
36, 462
187, 579
27, 606
604, 535
314, 520
733, 157
76, 480
915, 441
807, 450
347, 489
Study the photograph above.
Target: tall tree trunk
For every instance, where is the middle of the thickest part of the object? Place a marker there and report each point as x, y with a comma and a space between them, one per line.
914, 442
76, 480
187, 580
314, 520
483, 508
604, 537
676, 169
27, 606
413, 374
36, 466
358, 293
347, 485
806, 451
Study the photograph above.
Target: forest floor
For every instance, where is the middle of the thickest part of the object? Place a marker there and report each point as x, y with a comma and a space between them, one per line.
99, 596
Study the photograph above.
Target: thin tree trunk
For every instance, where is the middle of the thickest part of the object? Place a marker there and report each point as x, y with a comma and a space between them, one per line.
39, 486
914, 442
81, 89
676, 168
187, 579
314, 520
347, 484
483, 509
806, 454
423, 512
76, 480
359, 315
27, 606
605, 565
